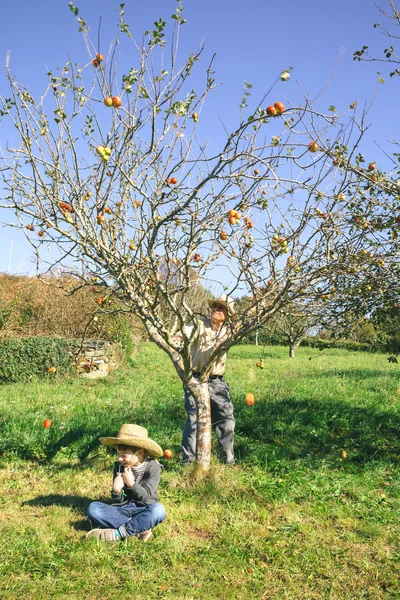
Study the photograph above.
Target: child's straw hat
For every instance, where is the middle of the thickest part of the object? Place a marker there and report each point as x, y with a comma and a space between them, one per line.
133, 435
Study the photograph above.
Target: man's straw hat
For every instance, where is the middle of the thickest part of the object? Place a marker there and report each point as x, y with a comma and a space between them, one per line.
133, 435
226, 301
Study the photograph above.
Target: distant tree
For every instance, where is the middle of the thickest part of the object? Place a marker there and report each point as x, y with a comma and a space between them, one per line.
292, 325
364, 332
130, 198
386, 321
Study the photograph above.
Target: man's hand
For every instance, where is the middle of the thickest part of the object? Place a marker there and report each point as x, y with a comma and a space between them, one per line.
127, 476
118, 484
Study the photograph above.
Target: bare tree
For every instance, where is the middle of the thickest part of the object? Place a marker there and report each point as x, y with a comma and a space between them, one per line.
293, 325
133, 200
390, 54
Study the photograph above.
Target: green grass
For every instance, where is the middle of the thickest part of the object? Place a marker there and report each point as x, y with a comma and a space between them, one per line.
297, 520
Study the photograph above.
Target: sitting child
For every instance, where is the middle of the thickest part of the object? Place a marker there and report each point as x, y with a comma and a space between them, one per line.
135, 481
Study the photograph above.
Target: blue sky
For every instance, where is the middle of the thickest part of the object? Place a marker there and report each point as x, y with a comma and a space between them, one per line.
253, 41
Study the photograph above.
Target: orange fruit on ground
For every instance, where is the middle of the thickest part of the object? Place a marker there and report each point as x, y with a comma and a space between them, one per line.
47, 423
249, 399
168, 453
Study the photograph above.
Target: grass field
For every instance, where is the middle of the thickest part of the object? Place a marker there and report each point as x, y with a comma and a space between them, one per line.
312, 512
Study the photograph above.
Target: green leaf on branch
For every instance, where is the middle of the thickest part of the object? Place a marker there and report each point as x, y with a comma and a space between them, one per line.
73, 8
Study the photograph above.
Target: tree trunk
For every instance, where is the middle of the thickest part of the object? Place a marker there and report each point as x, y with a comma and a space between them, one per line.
292, 349
201, 394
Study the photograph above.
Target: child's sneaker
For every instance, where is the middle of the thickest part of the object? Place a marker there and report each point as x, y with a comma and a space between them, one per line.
104, 535
144, 536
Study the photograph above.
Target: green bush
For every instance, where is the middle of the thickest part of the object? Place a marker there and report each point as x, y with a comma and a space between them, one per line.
265, 338
341, 344
26, 358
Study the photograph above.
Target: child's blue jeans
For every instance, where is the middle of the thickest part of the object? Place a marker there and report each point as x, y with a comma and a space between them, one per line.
128, 518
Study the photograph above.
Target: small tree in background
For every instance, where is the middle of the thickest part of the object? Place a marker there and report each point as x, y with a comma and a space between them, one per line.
292, 326
132, 199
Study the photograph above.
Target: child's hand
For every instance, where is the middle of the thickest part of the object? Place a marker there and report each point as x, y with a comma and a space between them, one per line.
127, 476
118, 484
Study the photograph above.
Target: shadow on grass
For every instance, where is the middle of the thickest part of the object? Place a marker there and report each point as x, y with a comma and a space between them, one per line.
312, 430
355, 374
82, 438
278, 431
80, 503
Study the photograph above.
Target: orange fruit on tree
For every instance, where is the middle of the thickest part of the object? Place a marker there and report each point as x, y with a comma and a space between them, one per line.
279, 107
271, 111
116, 101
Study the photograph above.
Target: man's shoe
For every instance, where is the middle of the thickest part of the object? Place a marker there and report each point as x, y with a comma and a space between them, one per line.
144, 536
104, 535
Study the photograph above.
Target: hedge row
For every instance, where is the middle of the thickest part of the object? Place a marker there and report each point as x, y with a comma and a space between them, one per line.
312, 342
27, 358
342, 344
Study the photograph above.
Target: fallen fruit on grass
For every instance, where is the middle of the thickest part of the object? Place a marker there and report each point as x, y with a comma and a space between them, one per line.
168, 453
51, 369
344, 454
47, 423
249, 399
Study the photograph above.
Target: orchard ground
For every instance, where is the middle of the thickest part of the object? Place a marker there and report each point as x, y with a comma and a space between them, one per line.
313, 510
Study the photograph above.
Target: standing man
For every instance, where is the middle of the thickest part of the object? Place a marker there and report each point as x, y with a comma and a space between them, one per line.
209, 331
